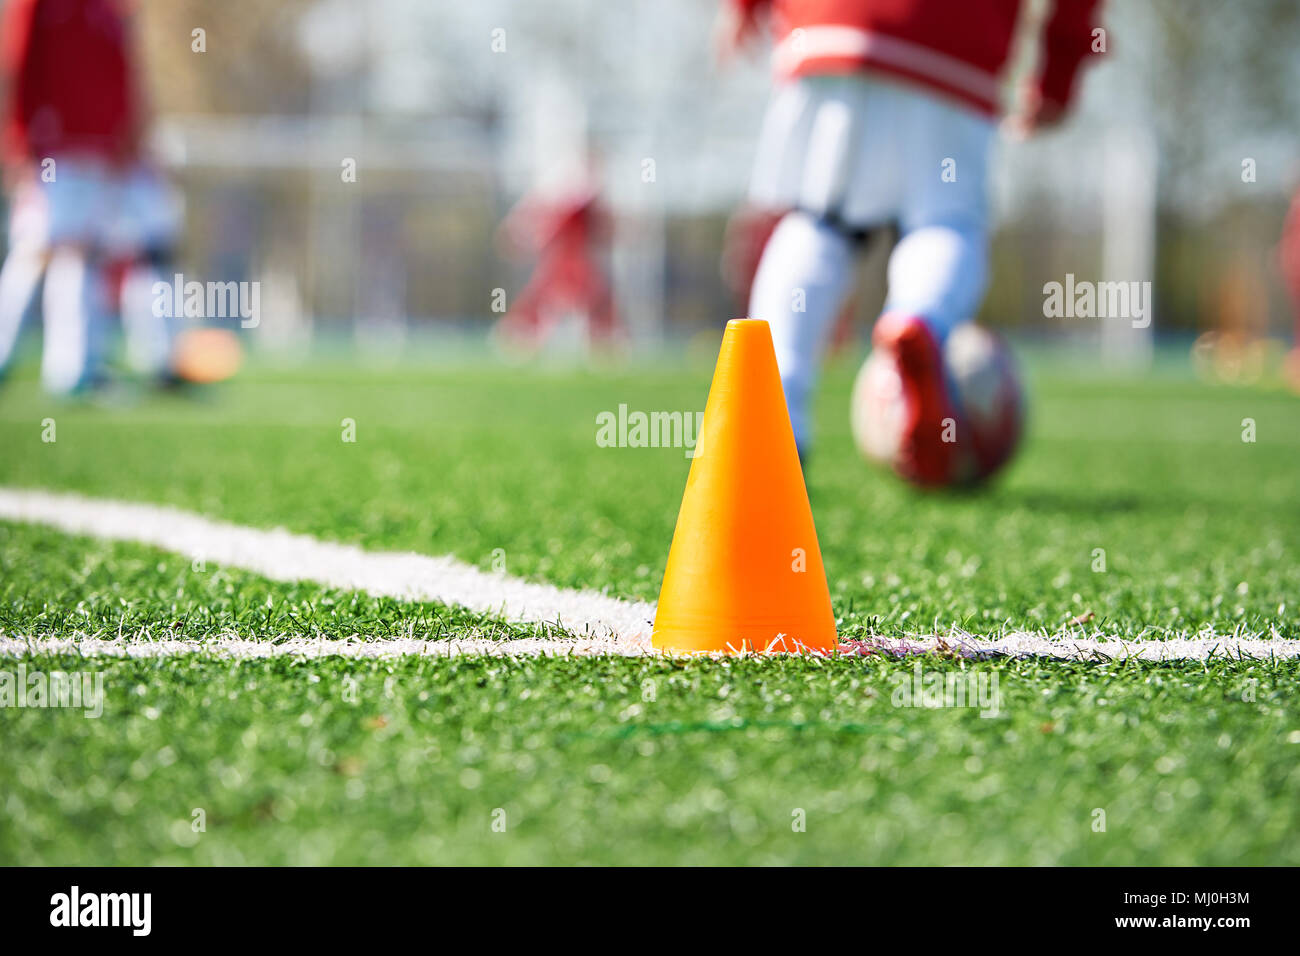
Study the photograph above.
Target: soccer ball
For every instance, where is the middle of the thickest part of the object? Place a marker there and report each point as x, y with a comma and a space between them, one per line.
204, 356
984, 385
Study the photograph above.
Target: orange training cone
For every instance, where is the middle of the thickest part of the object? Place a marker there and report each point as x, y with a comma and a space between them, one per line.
745, 570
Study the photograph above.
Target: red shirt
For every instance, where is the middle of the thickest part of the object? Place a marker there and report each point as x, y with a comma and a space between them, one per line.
1289, 252
558, 225
956, 46
70, 85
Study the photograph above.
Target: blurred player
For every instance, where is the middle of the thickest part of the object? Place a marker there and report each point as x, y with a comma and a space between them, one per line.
1288, 255
884, 114
566, 234
71, 125
141, 251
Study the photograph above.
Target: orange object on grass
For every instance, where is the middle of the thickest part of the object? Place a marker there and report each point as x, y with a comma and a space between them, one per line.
745, 570
206, 356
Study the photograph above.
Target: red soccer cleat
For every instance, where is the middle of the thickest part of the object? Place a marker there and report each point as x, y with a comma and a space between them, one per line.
924, 457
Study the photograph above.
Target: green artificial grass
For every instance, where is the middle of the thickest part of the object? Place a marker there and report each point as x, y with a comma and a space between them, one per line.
598, 760
644, 760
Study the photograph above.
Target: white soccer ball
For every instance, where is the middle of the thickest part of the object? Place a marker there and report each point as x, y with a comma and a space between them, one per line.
985, 389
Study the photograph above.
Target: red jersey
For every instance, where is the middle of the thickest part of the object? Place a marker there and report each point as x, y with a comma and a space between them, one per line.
1288, 252
563, 225
70, 87
958, 47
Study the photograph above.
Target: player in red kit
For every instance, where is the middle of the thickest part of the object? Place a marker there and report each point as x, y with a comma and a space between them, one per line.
884, 115
566, 234
71, 126
1288, 255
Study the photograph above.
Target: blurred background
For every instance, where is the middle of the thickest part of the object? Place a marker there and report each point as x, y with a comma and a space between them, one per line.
1178, 166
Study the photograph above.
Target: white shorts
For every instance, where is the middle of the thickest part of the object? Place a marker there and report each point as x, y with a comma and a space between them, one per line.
861, 151
148, 211
91, 202
75, 206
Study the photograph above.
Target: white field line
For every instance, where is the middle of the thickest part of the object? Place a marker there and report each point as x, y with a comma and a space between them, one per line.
1066, 646
594, 623
1012, 645
283, 556
308, 648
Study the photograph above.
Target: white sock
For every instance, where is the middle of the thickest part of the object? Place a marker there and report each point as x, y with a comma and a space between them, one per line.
19, 278
805, 273
938, 273
71, 337
148, 336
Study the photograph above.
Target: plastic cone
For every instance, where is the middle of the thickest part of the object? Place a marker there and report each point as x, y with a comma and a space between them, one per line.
745, 571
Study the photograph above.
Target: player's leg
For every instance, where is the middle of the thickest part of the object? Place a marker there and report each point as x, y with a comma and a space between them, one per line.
24, 264
937, 272
72, 304
148, 221
939, 269
522, 324
803, 279
73, 319
818, 132
19, 278
937, 275
149, 331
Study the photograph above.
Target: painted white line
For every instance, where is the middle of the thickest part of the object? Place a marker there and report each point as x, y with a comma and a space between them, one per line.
1014, 645
593, 623
297, 647
283, 556
1066, 647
